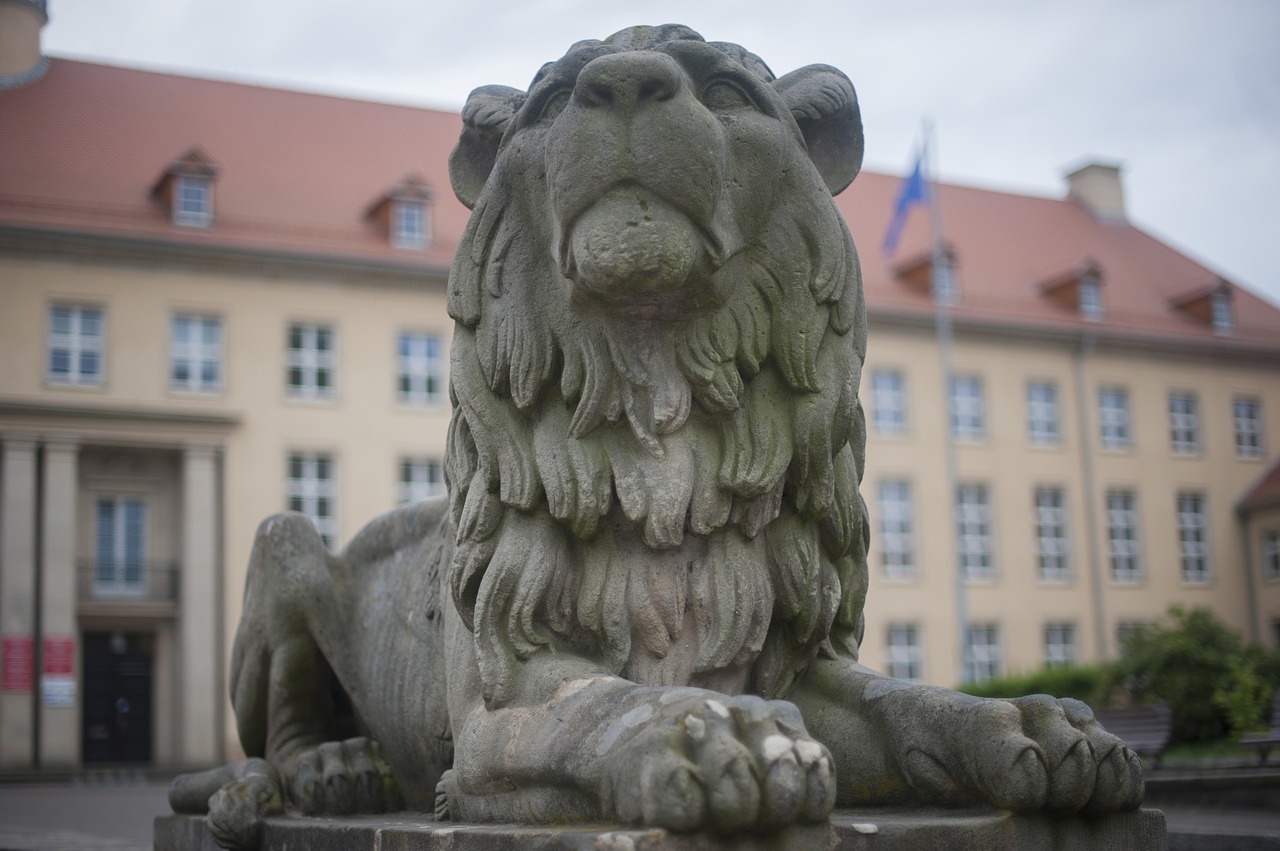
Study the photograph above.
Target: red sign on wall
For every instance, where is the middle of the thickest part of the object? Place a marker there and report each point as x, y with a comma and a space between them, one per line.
59, 654
16, 659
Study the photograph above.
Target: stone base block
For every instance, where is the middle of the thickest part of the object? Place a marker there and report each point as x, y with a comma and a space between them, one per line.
849, 830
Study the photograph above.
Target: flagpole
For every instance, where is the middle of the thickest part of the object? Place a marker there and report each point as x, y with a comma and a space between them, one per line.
943, 290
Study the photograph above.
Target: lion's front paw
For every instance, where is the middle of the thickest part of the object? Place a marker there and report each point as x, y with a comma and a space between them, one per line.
340, 778
1029, 753
237, 809
727, 764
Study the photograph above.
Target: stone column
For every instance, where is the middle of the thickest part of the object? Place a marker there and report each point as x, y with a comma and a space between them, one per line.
59, 744
18, 600
198, 620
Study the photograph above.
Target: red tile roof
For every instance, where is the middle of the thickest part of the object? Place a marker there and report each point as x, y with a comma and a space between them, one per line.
297, 173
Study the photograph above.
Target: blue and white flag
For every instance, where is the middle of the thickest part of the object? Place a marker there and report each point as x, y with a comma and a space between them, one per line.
911, 191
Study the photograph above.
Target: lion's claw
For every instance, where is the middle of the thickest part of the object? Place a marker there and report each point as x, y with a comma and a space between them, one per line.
728, 764
341, 778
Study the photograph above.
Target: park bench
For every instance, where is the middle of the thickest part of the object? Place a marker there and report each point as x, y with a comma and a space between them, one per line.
1264, 742
1143, 729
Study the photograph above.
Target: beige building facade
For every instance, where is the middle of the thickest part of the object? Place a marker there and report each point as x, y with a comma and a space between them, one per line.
233, 304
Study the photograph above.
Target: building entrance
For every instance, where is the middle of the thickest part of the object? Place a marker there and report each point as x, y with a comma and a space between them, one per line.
117, 696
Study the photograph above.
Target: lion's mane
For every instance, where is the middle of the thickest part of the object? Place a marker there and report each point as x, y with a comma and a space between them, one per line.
729, 438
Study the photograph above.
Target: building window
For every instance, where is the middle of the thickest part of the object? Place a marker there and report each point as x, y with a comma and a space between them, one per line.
1220, 313
1090, 299
1193, 540
1184, 423
195, 353
1275, 633
1051, 535
1060, 645
420, 478
420, 368
888, 403
1113, 417
904, 656
973, 521
982, 653
409, 224
312, 491
75, 345
968, 420
1246, 414
1122, 536
897, 538
1271, 555
119, 548
310, 361
192, 201
1042, 413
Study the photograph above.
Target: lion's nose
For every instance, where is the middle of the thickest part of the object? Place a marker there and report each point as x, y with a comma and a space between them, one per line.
628, 81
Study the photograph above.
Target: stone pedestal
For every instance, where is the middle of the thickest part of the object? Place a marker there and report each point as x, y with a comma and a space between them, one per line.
861, 830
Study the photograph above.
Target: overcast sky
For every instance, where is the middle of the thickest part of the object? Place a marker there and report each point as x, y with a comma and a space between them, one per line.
1184, 93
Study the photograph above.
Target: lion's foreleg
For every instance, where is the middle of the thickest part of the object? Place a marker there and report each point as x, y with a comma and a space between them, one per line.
894, 741
574, 743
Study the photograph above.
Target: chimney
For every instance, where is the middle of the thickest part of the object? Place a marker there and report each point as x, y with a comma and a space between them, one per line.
1096, 186
20, 24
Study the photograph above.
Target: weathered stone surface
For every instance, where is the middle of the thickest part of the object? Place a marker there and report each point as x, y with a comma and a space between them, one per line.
880, 829
643, 600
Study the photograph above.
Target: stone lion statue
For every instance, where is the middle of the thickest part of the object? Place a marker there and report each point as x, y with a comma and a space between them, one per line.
643, 599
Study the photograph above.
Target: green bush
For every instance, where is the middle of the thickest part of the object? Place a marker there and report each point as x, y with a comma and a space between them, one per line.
1191, 661
1083, 682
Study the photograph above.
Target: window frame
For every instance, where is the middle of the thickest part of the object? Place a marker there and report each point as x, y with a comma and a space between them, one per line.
1194, 555
1045, 520
977, 542
1270, 548
413, 487
993, 658
1247, 449
111, 576
75, 345
199, 353
402, 237
897, 525
888, 403
1184, 425
1133, 574
195, 217
418, 369
909, 654
1042, 412
1061, 649
1115, 422
311, 362
306, 494
967, 425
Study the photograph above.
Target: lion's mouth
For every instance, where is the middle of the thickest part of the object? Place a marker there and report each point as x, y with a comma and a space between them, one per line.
631, 242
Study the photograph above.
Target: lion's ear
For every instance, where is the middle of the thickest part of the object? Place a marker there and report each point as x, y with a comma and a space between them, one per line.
823, 103
485, 118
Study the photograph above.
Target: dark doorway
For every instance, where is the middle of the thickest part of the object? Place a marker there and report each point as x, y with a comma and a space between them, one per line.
117, 697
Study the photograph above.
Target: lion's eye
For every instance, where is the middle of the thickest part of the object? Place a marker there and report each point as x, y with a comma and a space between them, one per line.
724, 95
554, 105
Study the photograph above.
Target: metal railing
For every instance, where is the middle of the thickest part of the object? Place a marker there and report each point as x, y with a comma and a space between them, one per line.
134, 582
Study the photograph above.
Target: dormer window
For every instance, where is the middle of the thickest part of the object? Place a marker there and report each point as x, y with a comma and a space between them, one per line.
1090, 296
1220, 313
1208, 304
185, 190
403, 214
193, 201
1076, 287
935, 277
408, 220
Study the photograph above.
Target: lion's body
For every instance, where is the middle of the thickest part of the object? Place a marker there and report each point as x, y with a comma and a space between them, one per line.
654, 529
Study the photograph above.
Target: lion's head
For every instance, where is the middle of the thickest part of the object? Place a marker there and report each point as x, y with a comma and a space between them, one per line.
656, 445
